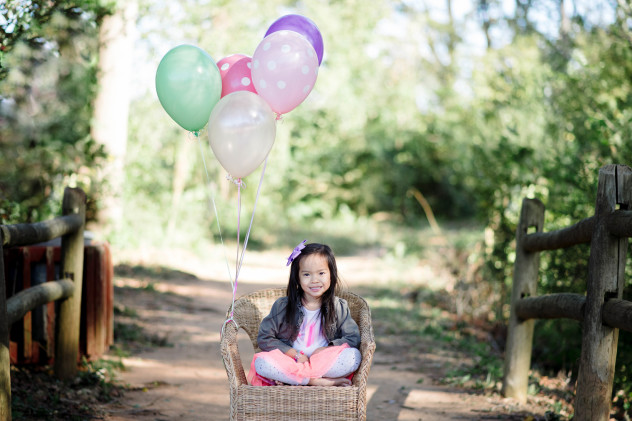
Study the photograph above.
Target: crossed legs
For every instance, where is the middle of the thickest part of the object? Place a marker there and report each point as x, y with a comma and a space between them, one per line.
347, 362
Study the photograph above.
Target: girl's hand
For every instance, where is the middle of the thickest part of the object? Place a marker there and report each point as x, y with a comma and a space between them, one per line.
298, 357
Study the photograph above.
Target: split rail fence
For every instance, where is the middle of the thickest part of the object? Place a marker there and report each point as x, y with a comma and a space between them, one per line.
601, 311
70, 227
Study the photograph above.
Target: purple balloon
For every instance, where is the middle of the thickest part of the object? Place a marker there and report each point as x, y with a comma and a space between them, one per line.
303, 26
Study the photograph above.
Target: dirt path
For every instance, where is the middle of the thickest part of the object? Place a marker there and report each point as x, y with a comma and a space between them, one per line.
187, 381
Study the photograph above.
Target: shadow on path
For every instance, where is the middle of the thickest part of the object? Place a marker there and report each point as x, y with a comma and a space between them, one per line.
186, 380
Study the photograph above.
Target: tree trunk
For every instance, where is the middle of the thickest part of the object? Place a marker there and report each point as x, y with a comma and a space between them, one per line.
565, 22
111, 108
185, 149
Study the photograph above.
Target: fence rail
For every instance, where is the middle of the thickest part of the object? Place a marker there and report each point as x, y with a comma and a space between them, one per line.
602, 311
579, 233
552, 306
69, 227
27, 300
39, 232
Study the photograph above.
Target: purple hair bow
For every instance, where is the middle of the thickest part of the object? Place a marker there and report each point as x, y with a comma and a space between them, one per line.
295, 252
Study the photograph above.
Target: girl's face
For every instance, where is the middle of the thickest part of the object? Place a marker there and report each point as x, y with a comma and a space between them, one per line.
313, 274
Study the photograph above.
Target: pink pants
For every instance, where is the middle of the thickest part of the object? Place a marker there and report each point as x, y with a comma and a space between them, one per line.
334, 361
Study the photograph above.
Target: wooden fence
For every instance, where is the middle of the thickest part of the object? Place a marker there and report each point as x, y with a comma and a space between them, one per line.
70, 228
601, 311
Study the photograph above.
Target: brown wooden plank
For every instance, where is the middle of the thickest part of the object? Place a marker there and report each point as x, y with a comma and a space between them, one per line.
20, 303
27, 350
109, 284
579, 233
624, 186
552, 306
5, 354
599, 342
520, 333
100, 298
50, 307
72, 248
39, 232
90, 301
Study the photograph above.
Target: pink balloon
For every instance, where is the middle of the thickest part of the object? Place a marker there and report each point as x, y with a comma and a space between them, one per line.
235, 73
225, 63
284, 70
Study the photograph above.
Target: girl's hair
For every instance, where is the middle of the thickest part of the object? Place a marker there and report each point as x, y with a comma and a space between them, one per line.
295, 292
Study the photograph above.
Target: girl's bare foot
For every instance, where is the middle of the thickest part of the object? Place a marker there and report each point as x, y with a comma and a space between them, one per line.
339, 381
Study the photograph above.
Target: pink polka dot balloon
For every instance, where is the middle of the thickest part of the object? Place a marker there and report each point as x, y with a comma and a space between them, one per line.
236, 74
225, 63
284, 70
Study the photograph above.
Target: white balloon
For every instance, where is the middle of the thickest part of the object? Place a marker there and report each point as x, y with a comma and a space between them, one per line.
241, 131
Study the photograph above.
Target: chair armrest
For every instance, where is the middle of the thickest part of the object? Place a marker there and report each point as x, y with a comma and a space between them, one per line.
362, 373
230, 356
367, 343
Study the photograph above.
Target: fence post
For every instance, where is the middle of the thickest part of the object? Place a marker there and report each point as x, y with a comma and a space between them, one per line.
68, 319
525, 278
606, 268
5, 356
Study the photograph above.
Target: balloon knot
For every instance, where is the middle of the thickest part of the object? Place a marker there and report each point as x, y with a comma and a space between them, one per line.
278, 117
236, 181
193, 135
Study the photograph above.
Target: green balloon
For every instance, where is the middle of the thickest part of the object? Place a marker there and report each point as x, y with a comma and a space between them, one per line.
188, 85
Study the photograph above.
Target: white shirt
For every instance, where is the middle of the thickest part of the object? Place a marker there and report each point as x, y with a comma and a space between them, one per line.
310, 336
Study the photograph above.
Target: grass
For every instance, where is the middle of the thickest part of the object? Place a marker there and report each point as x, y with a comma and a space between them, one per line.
423, 315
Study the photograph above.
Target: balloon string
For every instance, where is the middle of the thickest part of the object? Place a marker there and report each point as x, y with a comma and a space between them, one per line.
238, 228
208, 180
240, 260
252, 217
232, 307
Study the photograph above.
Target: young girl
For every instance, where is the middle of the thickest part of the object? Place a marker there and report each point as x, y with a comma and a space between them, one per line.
309, 337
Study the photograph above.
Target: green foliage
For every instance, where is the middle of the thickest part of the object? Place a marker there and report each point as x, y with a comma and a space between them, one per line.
589, 132
28, 20
354, 148
102, 375
403, 103
549, 355
45, 107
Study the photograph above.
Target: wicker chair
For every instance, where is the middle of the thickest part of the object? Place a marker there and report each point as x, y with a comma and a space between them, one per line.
278, 403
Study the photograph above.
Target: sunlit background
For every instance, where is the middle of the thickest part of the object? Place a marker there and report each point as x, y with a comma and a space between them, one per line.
428, 124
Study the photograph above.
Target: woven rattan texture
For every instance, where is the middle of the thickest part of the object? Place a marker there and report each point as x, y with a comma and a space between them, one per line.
302, 403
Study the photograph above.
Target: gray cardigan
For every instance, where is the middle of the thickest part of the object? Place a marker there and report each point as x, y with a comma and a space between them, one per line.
274, 332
